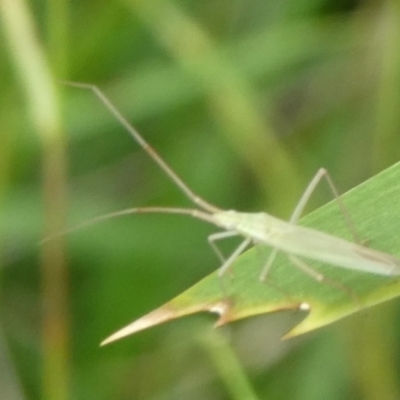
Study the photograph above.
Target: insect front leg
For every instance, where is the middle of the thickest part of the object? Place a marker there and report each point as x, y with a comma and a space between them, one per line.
231, 259
323, 173
226, 263
213, 238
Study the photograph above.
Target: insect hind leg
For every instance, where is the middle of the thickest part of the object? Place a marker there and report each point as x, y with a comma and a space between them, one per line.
319, 277
323, 173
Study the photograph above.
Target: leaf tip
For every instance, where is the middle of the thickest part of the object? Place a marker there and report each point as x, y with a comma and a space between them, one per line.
154, 318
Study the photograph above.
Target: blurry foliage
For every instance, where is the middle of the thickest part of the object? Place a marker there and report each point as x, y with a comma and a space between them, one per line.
246, 100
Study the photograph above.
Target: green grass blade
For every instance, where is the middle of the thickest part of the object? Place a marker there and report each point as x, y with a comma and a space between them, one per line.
375, 209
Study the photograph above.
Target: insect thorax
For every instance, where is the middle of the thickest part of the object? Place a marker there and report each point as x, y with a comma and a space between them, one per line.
260, 227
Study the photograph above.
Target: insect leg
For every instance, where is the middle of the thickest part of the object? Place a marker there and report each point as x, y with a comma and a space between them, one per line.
267, 267
228, 263
323, 173
322, 278
306, 268
219, 236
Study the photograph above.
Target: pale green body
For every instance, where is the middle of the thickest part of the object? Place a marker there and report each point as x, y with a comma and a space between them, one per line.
305, 242
257, 228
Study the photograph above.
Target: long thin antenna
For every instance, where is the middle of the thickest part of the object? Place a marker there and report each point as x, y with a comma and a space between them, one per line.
192, 212
146, 147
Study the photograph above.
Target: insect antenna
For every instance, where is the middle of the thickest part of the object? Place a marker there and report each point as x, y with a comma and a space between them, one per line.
192, 212
197, 200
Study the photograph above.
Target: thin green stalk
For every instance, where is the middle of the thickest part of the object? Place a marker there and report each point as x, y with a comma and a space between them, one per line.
228, 366
42, 100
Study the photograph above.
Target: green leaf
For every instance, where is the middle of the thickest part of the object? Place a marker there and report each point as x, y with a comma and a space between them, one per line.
375, 209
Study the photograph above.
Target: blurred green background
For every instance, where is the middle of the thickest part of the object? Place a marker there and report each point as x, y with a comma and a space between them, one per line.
246, 100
